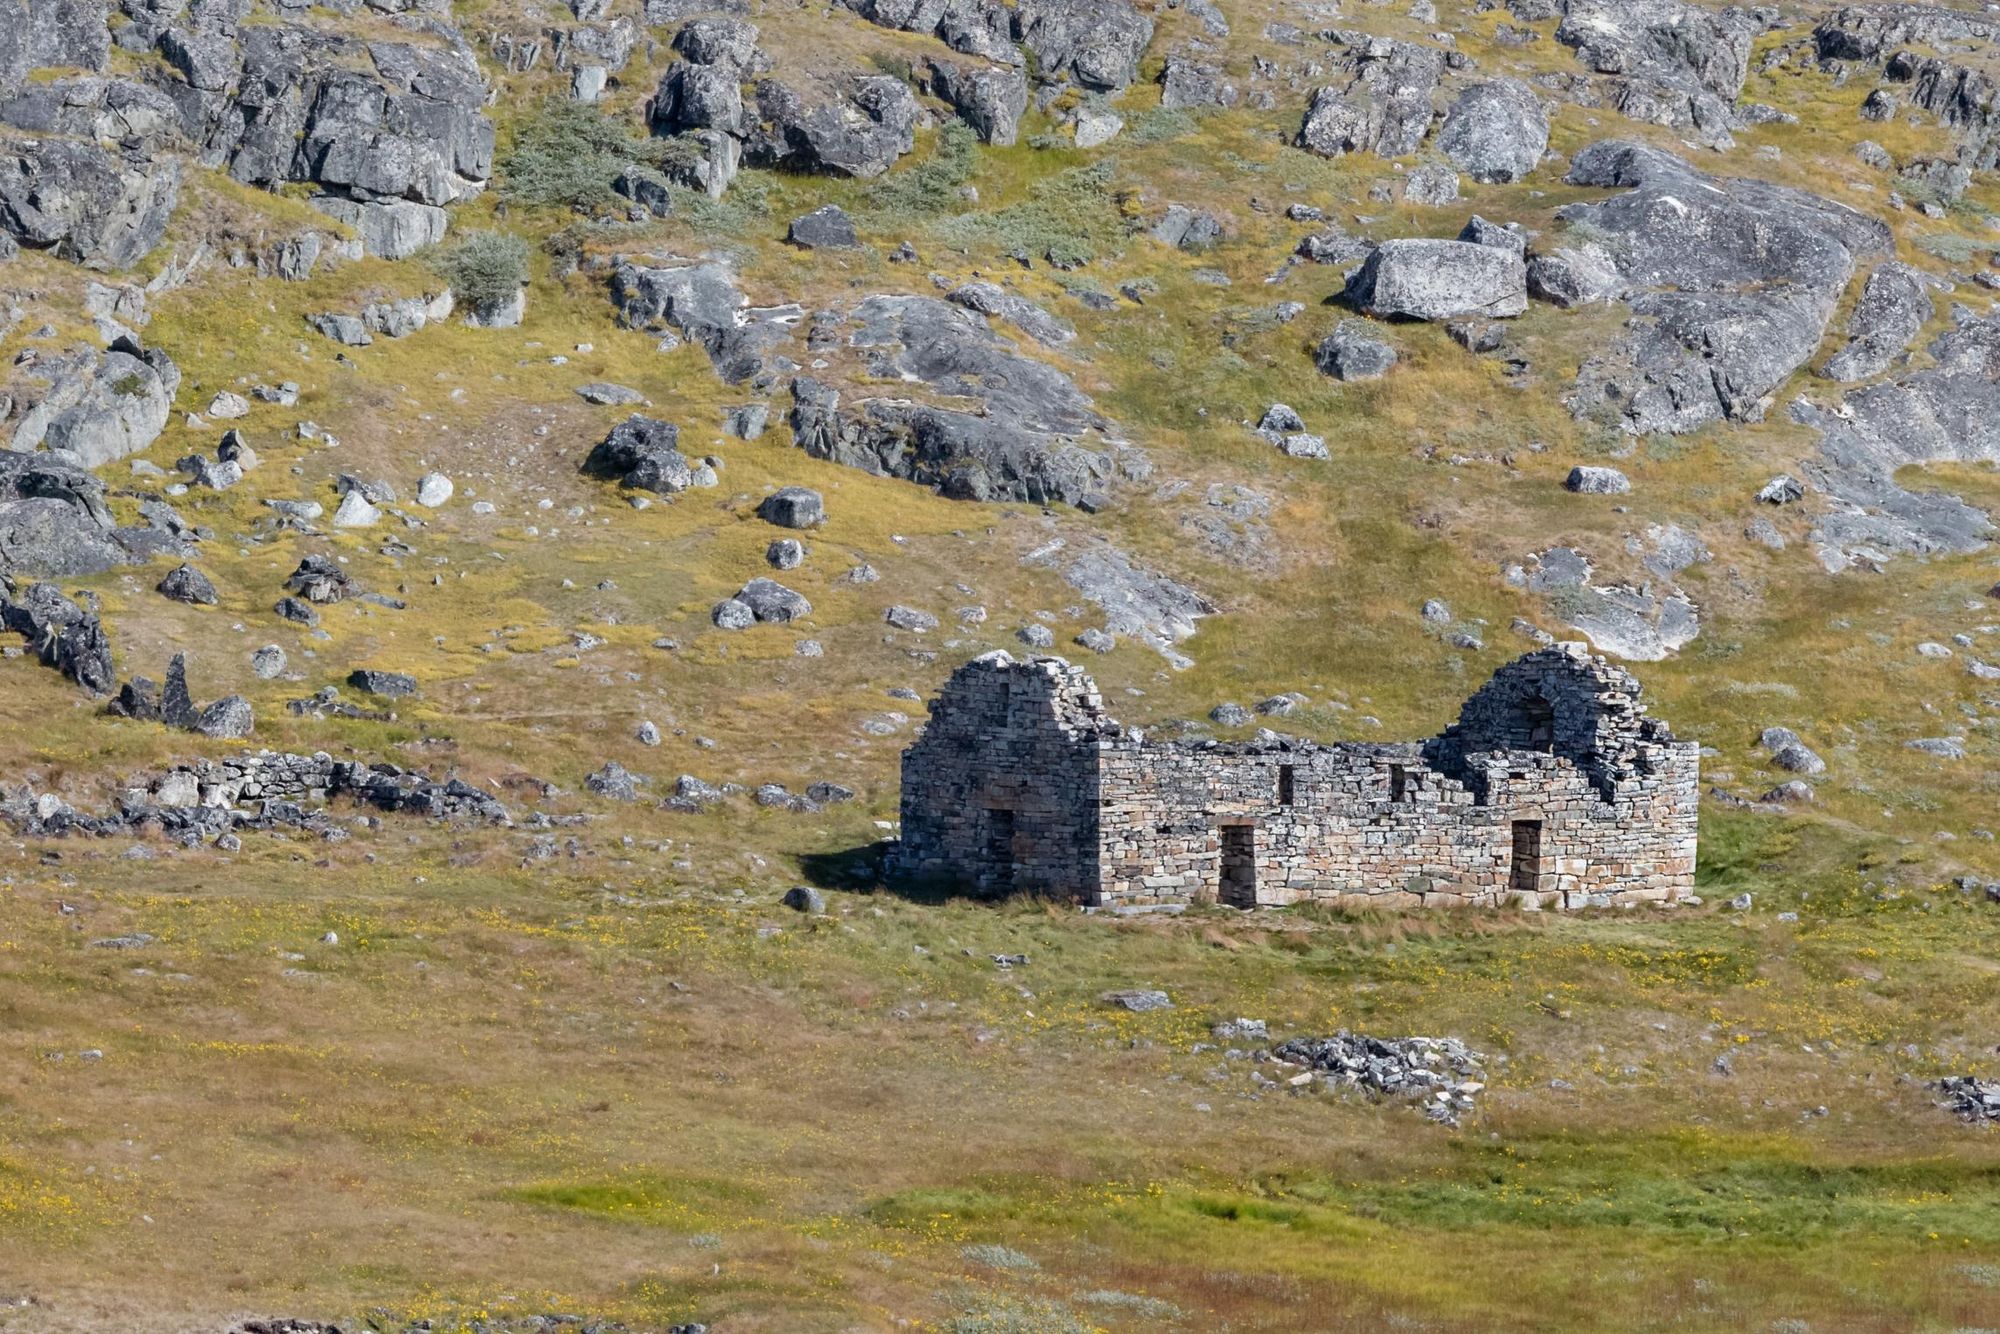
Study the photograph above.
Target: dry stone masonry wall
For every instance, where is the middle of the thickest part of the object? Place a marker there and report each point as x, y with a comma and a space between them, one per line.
1553, 789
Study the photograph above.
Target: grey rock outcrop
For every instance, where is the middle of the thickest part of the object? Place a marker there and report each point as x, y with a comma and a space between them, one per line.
1137, 602
55, 522
84, 203
990, 98
1894, 306
1093, 43
1946, 413
1384, 105
1023, 314
1664, 62
65, 635
373, 122
983, 28
391, 228
1735, 280
1570, 276
1006, 426
1642, 622
1938, 59
700, 300
859, 129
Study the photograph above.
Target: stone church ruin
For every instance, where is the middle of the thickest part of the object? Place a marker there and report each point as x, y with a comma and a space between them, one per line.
1553, 789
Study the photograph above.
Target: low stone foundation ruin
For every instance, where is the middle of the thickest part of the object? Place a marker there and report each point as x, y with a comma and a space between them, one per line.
264, 789
1553, 789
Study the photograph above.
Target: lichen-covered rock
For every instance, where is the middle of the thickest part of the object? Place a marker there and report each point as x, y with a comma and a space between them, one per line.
793, 507
1094, 43
51, 34
771, 602
1571, 276
1432, 185
1427, 279
83, 203
389, 228
1735, 280
1586, 480
860, 130
825, 228
1895, 304
1939, 58
370, 121
1383, 107
1948, 412
63, 634
643, 453
1187, 82
104, 410
227, 719
983, 28
989, 98
1352, 352
699, 97
701, 301
1664, 62
1004, 426
184, 583
1495, 132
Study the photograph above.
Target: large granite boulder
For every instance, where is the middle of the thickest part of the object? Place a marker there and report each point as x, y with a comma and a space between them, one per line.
989, 98
371, 121
1094, 43
1428, 279
1495, 132
642, 453
1663, 61
104, 408
54, 522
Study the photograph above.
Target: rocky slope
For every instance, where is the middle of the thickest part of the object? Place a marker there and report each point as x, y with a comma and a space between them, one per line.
1236, 348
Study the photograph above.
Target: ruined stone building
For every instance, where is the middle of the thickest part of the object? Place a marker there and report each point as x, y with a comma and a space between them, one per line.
1553, 789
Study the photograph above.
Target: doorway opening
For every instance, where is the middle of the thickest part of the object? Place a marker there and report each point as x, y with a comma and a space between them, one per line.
1239, 866
1525, 877
1000, 850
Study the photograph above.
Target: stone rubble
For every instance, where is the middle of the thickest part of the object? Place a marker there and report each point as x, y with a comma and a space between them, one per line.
1443, 1074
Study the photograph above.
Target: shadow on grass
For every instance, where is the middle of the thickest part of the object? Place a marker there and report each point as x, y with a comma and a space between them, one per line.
865, 870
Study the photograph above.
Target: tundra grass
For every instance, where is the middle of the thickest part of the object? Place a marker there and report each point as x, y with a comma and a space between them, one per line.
492, 1091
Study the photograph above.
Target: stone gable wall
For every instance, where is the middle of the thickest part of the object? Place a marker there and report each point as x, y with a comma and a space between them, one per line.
1019, 739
